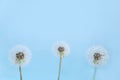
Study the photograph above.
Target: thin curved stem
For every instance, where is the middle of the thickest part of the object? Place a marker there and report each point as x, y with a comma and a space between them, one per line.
94, 75
20, 71
60, 64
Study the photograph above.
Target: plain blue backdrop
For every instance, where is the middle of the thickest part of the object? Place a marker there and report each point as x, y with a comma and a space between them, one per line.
38, 24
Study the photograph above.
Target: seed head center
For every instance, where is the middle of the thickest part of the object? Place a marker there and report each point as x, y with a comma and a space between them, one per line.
20, 55
61, 49
97, 56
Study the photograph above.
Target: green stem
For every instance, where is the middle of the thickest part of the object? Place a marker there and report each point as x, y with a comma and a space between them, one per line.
60, 63
94, 75
20, 70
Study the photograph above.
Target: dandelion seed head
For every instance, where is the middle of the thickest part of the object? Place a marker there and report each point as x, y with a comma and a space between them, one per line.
97, 56
60, 49
20, 55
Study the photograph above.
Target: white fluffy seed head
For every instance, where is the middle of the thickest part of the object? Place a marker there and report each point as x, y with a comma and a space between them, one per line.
20, 55
60, 49
97, 56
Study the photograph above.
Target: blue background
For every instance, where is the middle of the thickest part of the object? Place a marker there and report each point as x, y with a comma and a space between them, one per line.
38, 24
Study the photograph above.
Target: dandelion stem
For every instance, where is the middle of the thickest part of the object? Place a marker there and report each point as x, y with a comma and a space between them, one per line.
94, 75
60, 63
20, 70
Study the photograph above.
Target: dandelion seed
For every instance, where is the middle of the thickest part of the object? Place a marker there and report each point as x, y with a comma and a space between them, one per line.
20, 55
60, 50
97, 56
